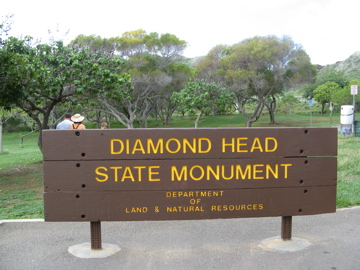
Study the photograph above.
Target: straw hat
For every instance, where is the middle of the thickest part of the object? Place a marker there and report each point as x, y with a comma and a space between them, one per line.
77, 118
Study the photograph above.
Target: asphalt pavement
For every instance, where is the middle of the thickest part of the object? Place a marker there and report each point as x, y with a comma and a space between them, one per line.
333, 243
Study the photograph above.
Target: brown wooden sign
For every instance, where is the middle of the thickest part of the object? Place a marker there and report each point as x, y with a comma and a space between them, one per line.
177, 174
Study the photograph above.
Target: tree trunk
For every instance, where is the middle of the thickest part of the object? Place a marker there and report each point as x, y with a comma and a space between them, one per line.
249, 122
1, 143
271, 108
272, 117
251, 118
323, 108
198, 118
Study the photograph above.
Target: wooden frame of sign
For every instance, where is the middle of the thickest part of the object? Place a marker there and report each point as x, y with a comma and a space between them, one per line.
184, 174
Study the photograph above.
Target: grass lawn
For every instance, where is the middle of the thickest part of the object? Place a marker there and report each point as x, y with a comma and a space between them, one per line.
21, 177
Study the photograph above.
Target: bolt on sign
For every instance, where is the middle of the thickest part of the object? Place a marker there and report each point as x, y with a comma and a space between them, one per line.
184, 174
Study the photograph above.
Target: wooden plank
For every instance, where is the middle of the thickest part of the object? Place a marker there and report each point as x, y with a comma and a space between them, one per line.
165, 205
201, 174
208, 143
176, 174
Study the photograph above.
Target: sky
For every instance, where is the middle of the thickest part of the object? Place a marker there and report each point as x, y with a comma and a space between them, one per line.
326, 29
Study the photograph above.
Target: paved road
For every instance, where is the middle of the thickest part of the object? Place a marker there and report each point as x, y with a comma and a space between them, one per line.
201, 244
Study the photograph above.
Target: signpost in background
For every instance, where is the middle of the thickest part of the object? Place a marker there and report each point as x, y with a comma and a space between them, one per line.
311, 104
331, 107
354, 92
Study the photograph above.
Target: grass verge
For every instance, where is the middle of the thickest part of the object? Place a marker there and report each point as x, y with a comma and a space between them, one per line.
21, 193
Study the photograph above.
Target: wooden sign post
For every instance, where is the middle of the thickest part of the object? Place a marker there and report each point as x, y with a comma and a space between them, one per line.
184, 174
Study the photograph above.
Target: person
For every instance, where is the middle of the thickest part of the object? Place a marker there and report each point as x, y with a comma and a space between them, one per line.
77, 119
104, 125
66, 123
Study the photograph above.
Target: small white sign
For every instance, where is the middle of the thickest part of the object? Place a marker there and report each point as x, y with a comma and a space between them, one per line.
354, 89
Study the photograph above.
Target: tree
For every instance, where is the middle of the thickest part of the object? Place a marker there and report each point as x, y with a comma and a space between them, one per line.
323, 93
343, 95
37, 78
95, 43
210, 69
152, 59
326, 74
288, 101
199, 95
162, 106
259, 68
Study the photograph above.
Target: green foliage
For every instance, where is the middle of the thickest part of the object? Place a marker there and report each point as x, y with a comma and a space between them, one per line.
37, 78
323, 93
343, 96
155, 69
331, 74
199, 95
257, 70
287, 102
326, 74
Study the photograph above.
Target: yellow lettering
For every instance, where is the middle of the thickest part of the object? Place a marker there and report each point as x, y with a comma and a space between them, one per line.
237, 207
239, 144
167, 145
112, 147
182, 176
155, 149
127, 146
138, 146
231, 144
202, 173
106, 177
256, 171
215, 174
256, 145
201, 150
151, 173
115, 172
231, 173
285, 169
136, 210
267, 149
192, 146
274, 173
127, 174
242, 175
139, 172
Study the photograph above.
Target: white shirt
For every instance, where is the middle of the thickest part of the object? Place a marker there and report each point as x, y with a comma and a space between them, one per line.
64, 124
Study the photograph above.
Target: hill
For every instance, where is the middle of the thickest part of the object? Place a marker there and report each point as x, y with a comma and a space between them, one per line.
351, 66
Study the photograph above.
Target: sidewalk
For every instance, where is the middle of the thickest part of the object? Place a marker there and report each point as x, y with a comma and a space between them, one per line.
197, 244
